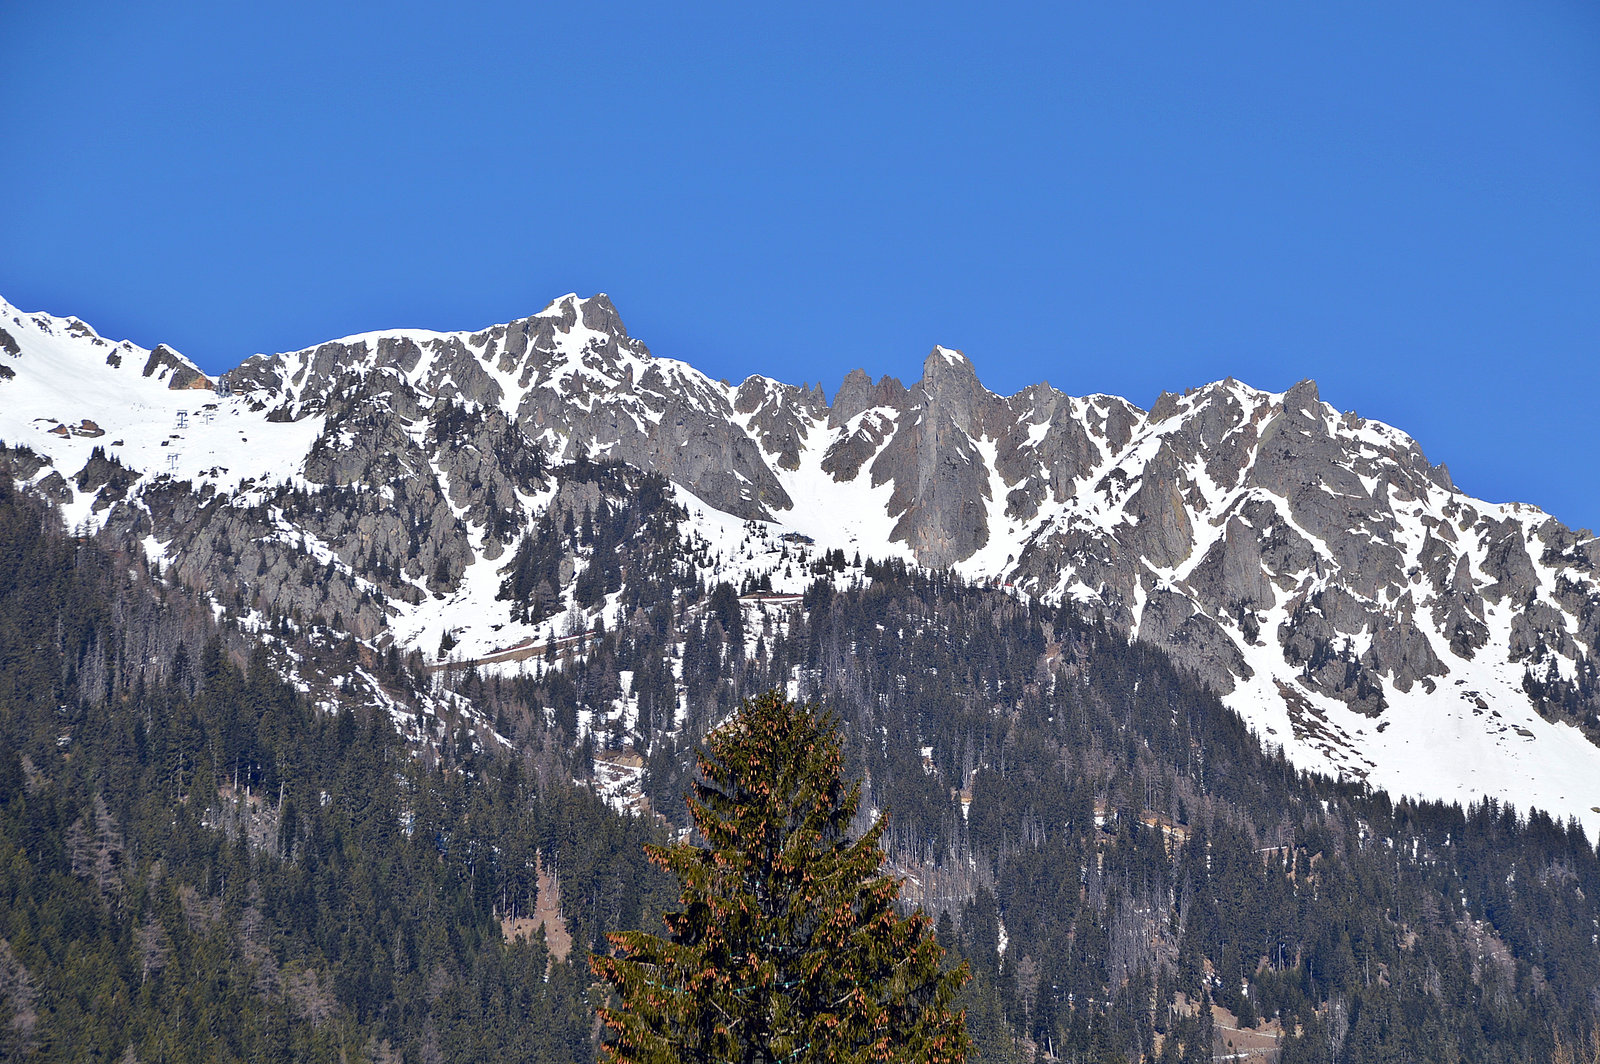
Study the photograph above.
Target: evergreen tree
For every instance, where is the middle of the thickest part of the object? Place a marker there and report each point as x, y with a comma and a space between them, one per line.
788, 948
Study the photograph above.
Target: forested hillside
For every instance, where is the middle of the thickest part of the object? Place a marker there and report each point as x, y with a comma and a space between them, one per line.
198, 863
199, 866
1130, 851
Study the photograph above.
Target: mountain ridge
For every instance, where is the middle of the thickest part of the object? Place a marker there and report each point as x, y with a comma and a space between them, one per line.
1312, 567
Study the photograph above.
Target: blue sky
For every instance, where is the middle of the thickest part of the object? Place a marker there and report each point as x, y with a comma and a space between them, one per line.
1400, 200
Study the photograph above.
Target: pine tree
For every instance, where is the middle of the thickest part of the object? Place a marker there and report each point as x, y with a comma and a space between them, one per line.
789, 948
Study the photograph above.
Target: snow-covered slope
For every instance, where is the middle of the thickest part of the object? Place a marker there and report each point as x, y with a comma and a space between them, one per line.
68, 392
1312, 567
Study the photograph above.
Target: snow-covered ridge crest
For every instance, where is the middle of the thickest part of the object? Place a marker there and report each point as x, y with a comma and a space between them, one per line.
1313, 566
109, 414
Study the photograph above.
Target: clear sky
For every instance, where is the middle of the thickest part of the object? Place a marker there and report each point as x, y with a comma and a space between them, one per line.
1401, 200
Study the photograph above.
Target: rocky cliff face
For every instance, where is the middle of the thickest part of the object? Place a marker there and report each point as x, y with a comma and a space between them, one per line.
569, 377
1313, 566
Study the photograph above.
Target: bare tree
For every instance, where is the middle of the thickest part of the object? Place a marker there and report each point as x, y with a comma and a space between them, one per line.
152, 946
17, 997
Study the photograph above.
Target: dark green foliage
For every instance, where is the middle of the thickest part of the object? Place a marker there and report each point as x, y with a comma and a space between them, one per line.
788, 948
621, 540
203, 868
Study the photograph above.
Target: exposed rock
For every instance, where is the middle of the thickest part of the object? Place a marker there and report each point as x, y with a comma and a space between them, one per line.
1194, 640
941, 482
777, 415
54, 487
858, 394
179, 372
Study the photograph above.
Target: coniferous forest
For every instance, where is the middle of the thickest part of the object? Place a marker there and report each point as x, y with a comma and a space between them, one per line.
201, 862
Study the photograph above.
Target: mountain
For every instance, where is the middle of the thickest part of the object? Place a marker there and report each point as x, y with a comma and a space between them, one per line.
1312, 568
334, 712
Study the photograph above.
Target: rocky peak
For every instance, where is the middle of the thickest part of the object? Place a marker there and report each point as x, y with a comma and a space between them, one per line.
166, 364
779, 415
949, 388
1304, 399
940, 478
857, 394
601, 316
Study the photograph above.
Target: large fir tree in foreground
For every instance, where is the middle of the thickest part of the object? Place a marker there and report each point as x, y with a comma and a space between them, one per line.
789, 948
